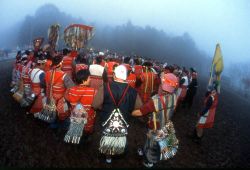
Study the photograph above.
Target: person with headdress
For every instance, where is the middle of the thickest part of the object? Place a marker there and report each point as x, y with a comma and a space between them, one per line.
115, 100
80, 63
207, 115
160, 127
15, 75
98, 74
37, 75
27, 65
56, 83
82, 95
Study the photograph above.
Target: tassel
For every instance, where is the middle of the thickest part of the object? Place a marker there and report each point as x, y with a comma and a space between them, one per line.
75, 131
47, 115
110, 145
27, 90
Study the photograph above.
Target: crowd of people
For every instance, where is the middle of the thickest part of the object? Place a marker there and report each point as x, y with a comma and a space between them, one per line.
68, 89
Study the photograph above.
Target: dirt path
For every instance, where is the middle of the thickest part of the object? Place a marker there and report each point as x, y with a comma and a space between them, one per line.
26, 142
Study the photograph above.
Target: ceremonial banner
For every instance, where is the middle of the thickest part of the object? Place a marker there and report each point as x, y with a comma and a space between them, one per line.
216, 69
53, 36
37, 43
76, 36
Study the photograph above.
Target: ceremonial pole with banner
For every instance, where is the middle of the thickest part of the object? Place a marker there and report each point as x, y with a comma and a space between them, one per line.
76, 36
53, 36
216, 69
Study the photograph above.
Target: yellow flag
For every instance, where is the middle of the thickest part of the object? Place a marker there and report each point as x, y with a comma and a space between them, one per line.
216, 69
218, 60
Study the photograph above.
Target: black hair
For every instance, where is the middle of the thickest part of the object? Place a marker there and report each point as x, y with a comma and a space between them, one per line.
65, 51
126, 60
137, 62
170, 68
82, 75
147, 64
57, 59
80, 59
27, 52
98, 60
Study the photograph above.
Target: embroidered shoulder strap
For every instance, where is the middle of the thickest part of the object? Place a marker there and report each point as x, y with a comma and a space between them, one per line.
122, 97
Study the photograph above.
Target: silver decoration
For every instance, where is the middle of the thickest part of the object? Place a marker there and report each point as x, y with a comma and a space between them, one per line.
78, 120
75, 131
49, 112
114, 137
25, 102
165, 139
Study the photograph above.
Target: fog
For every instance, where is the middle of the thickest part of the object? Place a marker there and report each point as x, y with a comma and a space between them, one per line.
205, 22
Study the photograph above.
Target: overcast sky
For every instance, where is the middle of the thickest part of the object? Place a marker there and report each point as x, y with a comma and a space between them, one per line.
207, 21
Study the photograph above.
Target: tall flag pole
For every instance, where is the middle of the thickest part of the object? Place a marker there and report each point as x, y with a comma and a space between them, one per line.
216, 69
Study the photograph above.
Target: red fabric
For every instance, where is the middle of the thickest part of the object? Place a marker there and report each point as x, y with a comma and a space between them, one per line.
131, 79
84, 95
36, 88
58, 88
81, 67
138, 70
182, 94
157, 83
62, 113
73, 54
110, 66
47, 65
18, 67
25, 74
211, 114
67, 65
147, 86
37, 106
148, 107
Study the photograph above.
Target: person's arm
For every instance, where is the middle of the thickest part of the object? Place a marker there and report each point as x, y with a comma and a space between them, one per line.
66, 94
42, 83
208, 105
138, 102
42, 80
98, 99
145, 109
68, 81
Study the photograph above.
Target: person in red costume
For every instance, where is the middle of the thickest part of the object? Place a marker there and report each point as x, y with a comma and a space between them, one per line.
37, 76
67, 63
207, 115
56, 82
84, 94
